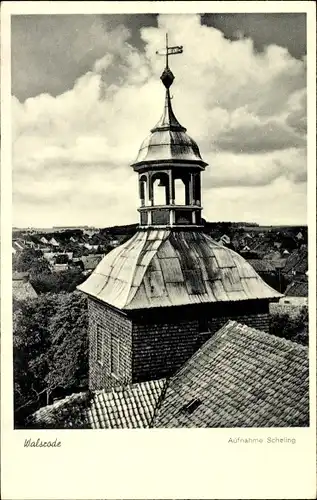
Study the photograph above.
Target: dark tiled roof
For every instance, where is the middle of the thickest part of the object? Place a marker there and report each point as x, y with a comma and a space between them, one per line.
127, 407
292, 310
278, 263
298, 288
23, 290
91, 261
297, 262
261, 246
241, 377
262, 266
17, 276
130, 407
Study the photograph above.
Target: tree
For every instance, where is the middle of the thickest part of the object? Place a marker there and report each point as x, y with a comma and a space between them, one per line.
32, 261
68, 359
71, 415
56, 282
50, 335
30, 345
292, 328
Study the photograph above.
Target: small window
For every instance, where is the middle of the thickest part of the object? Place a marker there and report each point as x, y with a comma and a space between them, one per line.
99, 346
203, 326
190, 407
114, 355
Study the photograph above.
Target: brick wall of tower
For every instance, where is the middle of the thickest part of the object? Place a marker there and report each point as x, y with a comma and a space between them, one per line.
110, 323
160, 348
156, 343
163, 340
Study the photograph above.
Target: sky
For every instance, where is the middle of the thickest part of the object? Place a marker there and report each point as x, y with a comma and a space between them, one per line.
86, 92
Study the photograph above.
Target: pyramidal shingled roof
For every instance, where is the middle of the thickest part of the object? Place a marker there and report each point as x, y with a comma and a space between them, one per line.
162, 268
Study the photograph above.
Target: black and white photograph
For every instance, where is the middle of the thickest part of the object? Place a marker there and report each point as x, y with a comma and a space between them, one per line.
161, 239
160, 258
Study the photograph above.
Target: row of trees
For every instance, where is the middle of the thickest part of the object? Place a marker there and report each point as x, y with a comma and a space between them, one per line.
50, 350
42, 278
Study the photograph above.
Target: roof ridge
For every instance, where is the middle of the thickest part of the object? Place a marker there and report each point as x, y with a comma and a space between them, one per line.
224, 330
130, 298
159, 401
283, 340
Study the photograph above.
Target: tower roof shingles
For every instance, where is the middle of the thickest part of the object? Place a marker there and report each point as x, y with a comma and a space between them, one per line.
162, 268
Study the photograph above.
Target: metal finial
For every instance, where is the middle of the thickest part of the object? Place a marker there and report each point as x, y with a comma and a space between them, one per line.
166, 48
167, 76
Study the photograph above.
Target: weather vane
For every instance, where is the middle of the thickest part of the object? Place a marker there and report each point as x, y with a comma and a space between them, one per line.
167, 76
169, 51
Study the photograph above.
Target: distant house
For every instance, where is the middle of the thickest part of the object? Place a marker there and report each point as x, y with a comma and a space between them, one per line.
263, 247
90, 262
279, 264
61, 262
63, 258
225, 239
34, 241
114, 243
53, 242
297, 262
49, 255
89, 231
272, 255
299, 235
296, 293
262, 266
235, 240
43, 240
82, 240
60, 267
18, 246
89, 246
78, 263
21, 287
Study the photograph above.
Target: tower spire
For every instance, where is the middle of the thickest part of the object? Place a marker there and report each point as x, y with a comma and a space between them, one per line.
166, 48
168, 120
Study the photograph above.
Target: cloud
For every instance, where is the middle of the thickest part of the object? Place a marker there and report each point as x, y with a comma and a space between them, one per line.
250, 134
247, 111
285, 30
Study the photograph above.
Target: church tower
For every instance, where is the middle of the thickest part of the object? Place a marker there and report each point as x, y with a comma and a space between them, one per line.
155, 299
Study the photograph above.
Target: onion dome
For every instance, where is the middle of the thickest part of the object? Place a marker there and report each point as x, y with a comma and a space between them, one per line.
168, 141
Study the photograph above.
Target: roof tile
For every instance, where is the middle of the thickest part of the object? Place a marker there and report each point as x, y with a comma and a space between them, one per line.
252, 379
